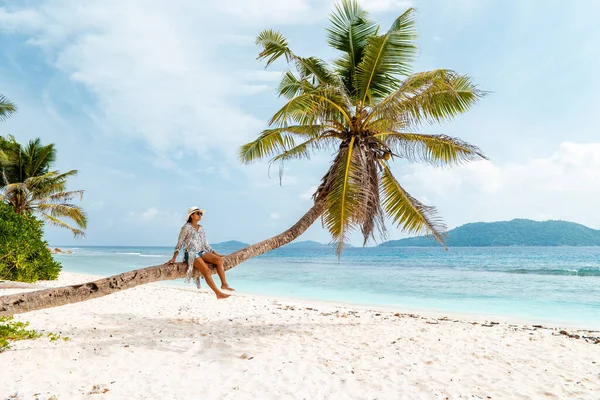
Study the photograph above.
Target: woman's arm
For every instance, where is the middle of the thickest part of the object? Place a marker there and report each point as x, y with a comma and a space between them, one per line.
180, 242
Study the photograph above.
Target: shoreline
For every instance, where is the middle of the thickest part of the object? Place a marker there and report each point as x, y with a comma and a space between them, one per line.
165, 341
426, 312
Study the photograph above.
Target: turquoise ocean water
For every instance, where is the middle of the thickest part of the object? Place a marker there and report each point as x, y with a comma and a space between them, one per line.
553, 284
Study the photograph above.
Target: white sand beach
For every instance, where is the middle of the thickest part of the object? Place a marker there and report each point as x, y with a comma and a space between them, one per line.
157, 342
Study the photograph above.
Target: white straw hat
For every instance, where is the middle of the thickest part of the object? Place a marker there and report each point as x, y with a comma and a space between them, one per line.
192, 210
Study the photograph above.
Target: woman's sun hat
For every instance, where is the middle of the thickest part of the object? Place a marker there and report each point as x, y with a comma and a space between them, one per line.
192, 210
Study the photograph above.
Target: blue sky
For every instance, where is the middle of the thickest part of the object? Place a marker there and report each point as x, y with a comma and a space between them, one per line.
150, 100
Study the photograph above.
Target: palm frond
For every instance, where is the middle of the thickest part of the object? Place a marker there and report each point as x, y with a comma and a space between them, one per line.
312, 70
317, 70
57, 222
429, 97
272, 142
303, 150
407, 212
343, 194
18, 196
385, 58
17, 186
350, 28
65, 175
438, 150
37, 158
64, 210
10, 162
5, 147
7, 108
274, 46
324, 103
380, 125
49, 183
291, 86
65, 196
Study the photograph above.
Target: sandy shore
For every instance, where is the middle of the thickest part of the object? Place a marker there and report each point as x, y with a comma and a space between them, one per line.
157, 342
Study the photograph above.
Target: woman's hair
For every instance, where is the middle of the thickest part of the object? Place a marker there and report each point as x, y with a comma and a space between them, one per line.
190, 219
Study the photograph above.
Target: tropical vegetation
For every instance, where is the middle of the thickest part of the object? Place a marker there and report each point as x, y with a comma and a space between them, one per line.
25, 186
24, 255
28, 184
366, 106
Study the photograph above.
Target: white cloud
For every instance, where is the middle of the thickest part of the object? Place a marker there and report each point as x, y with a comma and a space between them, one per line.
564, 185
149, 214
13, 21
151, 70
274, 215
265, 11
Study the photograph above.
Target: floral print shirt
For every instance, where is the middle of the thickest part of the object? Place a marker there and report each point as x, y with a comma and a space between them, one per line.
193, 242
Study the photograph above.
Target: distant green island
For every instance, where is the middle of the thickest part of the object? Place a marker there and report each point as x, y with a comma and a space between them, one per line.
518, 232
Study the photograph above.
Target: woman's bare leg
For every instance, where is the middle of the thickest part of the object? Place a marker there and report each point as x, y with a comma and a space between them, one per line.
203, 268
218, 261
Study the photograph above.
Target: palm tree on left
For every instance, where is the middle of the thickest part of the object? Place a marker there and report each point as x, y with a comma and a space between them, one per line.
7, 107
28, 184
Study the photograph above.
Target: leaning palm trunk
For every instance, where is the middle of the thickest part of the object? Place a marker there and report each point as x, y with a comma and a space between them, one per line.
24, 302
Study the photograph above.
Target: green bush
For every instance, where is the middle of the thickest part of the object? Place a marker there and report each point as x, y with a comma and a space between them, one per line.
24, 256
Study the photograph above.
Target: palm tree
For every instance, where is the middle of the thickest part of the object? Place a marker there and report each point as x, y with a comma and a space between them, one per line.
46, 195
367, 106
7, 108
32, 160
28, 185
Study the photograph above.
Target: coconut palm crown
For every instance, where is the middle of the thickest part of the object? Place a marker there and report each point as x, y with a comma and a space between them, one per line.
29, 186
367, 105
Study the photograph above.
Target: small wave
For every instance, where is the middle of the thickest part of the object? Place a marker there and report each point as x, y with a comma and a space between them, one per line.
558, 272
151, 255
129, 254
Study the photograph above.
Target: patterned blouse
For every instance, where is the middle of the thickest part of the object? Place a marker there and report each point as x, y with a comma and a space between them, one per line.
193, 242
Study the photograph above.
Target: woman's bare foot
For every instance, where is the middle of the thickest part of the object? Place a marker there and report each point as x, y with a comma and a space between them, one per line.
227, 287
222, 295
